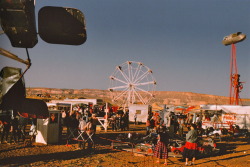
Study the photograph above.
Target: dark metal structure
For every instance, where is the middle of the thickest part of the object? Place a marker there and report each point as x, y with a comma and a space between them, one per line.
57, 25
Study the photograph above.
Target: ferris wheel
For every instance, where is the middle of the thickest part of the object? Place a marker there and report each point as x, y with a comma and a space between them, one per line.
132, 83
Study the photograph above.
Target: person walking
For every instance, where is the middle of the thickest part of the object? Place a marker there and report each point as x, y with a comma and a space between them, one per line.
113, 122
161, 151
13, 130
95, 121
22, 123
72, 126
181, 122
191, 146
148, 126
135, 118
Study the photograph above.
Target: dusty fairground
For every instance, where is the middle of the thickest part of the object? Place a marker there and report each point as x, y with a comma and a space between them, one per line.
234, 153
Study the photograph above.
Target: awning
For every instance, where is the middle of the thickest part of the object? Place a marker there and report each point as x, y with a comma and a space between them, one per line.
33, 108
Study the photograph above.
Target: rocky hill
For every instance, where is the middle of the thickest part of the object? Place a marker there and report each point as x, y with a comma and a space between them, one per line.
161, 97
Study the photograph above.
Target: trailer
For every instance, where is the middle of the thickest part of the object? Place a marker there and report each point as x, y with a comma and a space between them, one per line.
141, 111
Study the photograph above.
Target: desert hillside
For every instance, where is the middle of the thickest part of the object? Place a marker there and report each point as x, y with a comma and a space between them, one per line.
161, 97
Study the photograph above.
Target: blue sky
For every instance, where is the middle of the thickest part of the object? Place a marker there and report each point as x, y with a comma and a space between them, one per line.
180, 40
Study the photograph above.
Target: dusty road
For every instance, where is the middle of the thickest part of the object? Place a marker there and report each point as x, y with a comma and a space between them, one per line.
233, 153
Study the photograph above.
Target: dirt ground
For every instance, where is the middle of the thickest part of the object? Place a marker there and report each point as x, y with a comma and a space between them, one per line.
234, 153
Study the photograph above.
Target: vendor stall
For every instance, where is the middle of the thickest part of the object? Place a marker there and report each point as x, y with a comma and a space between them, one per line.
48, 130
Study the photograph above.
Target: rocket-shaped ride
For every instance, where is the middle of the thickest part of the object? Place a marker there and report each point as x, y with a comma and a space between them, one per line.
235, 85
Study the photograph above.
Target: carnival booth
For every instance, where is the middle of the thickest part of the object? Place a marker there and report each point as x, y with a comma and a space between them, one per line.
229, 114
49, 130
141, 111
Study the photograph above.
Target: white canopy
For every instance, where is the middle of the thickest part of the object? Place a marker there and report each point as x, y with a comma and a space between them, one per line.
228, 108
242, 114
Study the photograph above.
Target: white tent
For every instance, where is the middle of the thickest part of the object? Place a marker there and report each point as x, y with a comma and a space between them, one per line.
234, 109
239, 115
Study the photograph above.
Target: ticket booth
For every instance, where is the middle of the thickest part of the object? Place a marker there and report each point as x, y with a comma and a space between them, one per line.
49, 130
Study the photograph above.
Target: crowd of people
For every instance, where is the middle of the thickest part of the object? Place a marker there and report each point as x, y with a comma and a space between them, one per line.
190, 149
118, 121
174, 126
84, 119
13, 128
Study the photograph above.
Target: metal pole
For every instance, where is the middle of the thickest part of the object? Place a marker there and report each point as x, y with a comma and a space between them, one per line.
106, 119
14, 57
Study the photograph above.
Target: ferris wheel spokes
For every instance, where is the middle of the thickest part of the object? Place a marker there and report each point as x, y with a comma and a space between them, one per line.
129, 71
145, 91
145, 83
114, 78
120, 94
144, 75
140, 97
118, 87
138, 69
123, 74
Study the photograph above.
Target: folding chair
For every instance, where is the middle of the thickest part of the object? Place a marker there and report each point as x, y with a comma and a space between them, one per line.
71, 134
86, 137
90, 137
80, 136
90, 140
81, 130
